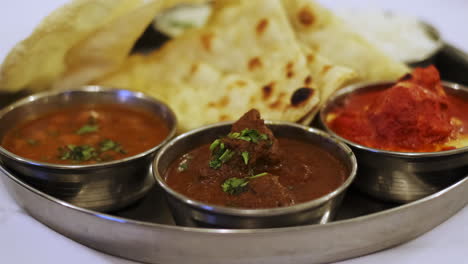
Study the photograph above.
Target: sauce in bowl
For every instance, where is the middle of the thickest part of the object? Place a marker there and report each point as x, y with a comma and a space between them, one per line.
414, 115
86, 134
250, 168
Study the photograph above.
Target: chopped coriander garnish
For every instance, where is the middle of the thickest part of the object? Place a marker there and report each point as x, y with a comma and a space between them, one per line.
219, 153
109, 144
234, 135
87, 129
258, 175
182, 167
215, 164
236, 185
77, 153
215, 144
245, 157
250, 135
226, 156
218, 160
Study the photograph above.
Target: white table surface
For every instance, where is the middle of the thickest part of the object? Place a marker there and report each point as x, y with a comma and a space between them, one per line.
24, 240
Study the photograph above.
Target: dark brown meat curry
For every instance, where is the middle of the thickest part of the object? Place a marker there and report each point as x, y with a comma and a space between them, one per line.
250, 168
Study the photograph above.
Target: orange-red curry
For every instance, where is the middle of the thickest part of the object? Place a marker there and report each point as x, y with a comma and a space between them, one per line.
86, 134
414, 115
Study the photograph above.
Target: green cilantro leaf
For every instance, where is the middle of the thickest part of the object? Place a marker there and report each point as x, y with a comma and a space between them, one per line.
250, 135
87, 129
245, 156
77, 153
236, 185
109, 144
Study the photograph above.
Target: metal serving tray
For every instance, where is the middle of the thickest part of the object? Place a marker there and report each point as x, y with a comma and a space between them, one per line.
145, 231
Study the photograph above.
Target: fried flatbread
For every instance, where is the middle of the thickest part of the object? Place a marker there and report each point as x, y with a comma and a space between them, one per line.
78, 43
39, 60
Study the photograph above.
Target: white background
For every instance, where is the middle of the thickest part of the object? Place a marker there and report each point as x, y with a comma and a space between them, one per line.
24, 240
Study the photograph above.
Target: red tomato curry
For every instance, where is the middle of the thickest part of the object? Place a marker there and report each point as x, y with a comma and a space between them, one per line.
250, 168
414, 115
86, 134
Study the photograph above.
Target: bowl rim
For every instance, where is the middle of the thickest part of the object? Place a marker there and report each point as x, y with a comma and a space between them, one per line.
86, 89
363, 85
434, 34
263, 212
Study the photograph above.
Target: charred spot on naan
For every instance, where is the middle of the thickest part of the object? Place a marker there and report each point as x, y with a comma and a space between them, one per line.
194, 68
261, 26
306, 16
325, 69
241, 83
308, 80
289, 70
301, 96
267, 90
207, 41
310, 58
224, 117
254, 63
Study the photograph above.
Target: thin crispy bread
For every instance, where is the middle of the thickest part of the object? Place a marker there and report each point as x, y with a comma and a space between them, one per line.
78, 42
36, 62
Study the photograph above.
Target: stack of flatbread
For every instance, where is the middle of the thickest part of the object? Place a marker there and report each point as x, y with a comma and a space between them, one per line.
284, 58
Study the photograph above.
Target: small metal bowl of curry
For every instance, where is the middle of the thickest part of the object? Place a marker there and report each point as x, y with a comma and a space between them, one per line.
410, 137
249, 174
91, 146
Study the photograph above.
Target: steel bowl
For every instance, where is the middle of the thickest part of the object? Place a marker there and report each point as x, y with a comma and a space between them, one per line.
430, 57
104, 186
401, 176
188, 212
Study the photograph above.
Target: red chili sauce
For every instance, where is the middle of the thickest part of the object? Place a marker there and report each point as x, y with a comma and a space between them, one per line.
86, 134
414, 115
274, 173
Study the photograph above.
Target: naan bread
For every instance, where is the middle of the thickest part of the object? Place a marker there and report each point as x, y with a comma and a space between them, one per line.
246, 56
320, 30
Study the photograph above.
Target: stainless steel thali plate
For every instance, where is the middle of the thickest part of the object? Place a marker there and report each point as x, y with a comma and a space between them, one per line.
145, 231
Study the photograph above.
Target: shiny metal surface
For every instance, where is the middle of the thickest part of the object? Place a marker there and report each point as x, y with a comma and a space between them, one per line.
151, 242
103, 186
402, 176
189, 212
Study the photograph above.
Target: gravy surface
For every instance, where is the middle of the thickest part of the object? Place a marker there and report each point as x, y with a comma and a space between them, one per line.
86, 134
306, 171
